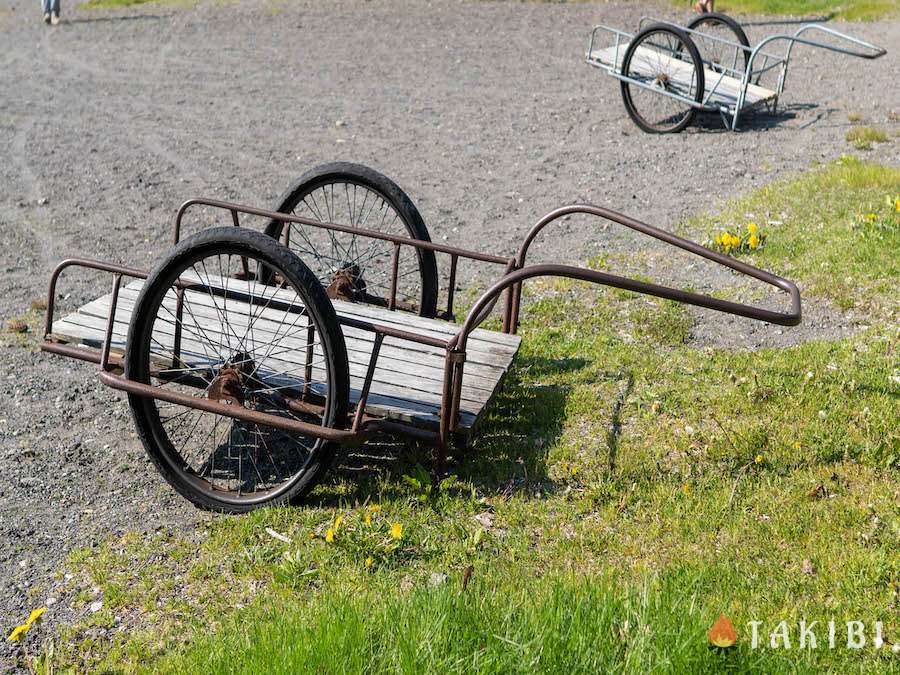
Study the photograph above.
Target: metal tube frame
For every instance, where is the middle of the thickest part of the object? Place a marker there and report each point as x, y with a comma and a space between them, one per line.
516, 272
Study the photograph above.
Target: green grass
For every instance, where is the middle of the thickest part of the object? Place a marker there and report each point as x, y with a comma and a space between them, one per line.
850, 10
629, 488
522, 629
835, 229
862, 137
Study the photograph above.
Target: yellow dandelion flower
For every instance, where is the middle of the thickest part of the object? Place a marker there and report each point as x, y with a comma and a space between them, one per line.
369, 562
574, 471
329, 536
375, 508
687, 489
717, 239
397, 531
753, 241
871, 217
752, 228
759, 459
36, 614
368, 519
735, 241
338, 521
897, 205
18, 632
797, 445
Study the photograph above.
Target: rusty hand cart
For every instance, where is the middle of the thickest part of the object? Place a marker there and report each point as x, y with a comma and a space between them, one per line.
669, 72
249, 357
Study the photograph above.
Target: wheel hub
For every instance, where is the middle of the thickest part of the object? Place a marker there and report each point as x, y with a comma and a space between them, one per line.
347, 283
231, 383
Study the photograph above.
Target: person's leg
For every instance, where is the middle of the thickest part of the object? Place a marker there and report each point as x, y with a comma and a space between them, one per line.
54, 11
45, 9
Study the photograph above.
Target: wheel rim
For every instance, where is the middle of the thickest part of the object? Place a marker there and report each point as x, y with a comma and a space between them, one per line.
235, 349
349, 266
663, 64
717, 54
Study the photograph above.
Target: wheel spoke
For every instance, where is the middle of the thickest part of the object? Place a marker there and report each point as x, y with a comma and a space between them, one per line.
367, 260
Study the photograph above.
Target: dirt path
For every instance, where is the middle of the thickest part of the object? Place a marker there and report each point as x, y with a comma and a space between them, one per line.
484, 112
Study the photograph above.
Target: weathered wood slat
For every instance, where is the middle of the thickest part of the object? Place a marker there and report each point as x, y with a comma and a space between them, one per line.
426, 379
418, 367
495, 357
164, 339
382, 403
359, 343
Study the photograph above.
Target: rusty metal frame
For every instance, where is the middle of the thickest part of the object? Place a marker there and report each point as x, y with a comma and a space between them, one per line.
510, 283
453, 251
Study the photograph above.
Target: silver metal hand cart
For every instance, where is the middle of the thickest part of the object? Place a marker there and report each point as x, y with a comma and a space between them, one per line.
669, 72
249, 357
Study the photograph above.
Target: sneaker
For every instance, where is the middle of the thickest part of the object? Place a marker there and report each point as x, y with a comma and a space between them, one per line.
47, 18
54, 19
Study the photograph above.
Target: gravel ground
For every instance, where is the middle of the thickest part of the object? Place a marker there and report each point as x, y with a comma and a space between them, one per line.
483, 112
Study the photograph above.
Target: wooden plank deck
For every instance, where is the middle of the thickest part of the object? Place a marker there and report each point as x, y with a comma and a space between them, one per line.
646, 60
408, 378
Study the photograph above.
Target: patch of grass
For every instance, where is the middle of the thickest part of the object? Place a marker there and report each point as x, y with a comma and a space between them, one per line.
835, 230
855, 117
20, 331
626, 488
850, 10
862, 137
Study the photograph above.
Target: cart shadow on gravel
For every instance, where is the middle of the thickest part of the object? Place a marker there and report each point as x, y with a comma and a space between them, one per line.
508, 454
761, 120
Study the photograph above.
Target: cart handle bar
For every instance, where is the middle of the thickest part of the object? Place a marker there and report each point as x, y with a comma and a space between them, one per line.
874, 50
481, 308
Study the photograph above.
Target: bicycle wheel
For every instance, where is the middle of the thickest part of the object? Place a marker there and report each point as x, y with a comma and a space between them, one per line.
206, 326
663, 63
353, 267
714, 28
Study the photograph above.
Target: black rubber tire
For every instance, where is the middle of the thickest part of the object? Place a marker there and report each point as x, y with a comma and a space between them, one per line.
698, 73
347, 172
724, 20
146, 416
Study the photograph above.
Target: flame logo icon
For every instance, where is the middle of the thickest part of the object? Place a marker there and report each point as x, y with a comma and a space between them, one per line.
722, 632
